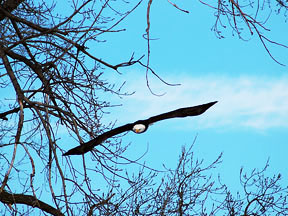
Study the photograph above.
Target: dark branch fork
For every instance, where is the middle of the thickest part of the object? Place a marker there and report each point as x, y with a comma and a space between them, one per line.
142, 124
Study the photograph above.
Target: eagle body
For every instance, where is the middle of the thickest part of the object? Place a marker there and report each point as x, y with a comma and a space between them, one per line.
139, 126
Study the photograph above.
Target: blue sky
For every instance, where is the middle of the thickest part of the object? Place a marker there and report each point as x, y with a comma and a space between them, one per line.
249, 123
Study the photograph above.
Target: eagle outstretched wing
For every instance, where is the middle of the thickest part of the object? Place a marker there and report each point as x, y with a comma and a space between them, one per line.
179, 113
182, 112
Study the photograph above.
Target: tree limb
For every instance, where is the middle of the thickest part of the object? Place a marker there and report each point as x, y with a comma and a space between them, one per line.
9, 6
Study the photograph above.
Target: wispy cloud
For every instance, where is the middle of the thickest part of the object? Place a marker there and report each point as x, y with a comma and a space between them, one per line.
247, 101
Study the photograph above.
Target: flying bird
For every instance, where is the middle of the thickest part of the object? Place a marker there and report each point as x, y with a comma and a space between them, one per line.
139, 126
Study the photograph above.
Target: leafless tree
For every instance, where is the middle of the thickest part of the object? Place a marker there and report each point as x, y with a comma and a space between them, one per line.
47, 87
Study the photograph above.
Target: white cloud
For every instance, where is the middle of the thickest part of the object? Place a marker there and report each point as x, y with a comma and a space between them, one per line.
247, 101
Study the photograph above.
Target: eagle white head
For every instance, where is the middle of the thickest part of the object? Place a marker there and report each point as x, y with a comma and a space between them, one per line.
139, 128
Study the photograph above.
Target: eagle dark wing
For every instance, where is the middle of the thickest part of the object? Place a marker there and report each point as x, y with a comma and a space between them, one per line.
182, 112
179, 113
88, 146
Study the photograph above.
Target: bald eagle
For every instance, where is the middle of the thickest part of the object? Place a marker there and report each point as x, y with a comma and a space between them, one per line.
139, 126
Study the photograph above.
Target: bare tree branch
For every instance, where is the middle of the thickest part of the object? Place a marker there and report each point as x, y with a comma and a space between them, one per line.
9, 6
